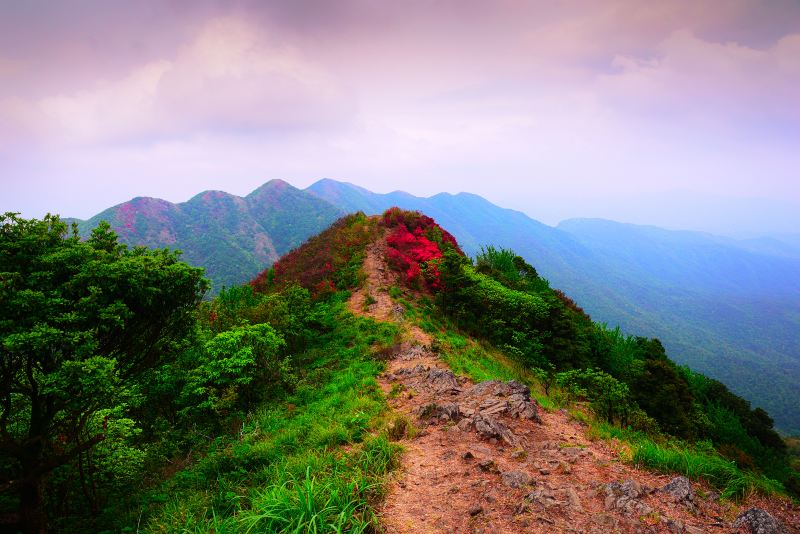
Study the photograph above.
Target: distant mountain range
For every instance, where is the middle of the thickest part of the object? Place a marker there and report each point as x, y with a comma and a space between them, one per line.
728, 308
232, 237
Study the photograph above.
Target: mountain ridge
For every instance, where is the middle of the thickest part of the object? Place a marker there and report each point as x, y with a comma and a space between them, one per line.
743, 339
233, 237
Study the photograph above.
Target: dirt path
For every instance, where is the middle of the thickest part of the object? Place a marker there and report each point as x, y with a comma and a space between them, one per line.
488, 459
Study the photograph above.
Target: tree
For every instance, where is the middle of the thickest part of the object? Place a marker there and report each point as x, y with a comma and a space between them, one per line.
661, 392
237, 368
79, 323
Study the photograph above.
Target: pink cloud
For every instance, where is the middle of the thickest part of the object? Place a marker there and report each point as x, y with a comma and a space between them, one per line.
229, 76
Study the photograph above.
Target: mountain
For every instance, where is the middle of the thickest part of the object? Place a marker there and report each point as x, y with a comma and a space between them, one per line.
727, 308
232, 237
372, 379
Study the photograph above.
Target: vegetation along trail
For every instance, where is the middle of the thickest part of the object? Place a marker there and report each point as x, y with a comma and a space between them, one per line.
485, 457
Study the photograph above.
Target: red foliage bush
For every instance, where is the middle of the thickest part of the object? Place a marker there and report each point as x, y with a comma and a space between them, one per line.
416, 245
324, 262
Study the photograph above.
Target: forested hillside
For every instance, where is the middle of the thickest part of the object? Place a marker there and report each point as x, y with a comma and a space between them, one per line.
231, 237
729, 309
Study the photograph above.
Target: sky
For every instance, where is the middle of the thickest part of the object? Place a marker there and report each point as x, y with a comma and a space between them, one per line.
684, 114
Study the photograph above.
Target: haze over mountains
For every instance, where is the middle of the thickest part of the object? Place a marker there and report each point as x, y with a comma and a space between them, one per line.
728, 308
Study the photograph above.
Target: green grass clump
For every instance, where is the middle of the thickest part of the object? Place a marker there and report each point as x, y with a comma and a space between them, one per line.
313, 463
395, 292
334, 500
706, 465
479, 363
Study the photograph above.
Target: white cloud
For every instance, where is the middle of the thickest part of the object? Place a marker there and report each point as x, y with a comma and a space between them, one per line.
695, 76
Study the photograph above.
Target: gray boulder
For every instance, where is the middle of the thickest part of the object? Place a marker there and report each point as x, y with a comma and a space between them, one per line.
515, 479
681, 491
758, 521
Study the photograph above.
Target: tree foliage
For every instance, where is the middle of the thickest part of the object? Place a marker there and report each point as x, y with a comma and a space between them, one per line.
79, 323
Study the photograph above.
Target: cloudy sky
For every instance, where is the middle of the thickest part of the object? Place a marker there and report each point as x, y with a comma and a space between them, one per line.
683, 114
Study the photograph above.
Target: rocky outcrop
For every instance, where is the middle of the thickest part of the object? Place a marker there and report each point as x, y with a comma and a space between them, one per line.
681, 491
625, 497
758, 521
479, 408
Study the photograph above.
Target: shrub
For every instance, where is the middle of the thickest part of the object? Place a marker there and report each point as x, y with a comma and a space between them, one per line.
416, 246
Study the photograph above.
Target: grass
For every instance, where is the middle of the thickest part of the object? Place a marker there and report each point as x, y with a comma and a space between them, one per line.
314, 463
696, 462
479, 363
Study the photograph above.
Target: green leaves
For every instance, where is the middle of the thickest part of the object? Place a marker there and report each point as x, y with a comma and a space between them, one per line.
237, 366
610, 398
80, 324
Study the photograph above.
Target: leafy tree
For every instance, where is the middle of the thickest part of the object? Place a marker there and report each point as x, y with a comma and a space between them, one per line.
664, 395
238, 367
79, 323
505, 266
609, 397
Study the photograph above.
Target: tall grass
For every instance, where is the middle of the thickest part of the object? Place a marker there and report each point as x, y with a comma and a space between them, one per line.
723, 474
336, 500
697, 462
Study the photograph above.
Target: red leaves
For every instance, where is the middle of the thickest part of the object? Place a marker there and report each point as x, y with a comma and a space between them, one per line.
323, 262
415, 246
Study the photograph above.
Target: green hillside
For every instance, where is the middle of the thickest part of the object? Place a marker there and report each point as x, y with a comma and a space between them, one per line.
128, 403
726, 308
231, 237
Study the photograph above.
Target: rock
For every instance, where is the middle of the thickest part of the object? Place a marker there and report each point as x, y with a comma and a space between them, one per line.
681, 491
625, 497
467, 456
543, 497
758, 521
488, 427
544, 471
496, 388
518, 388
493, 406
574, 500
443, 381
674, 525
488, 466
484, 389
572, 454
465, 425
515, 479
629, 488
449, 411
523, 409
475, 510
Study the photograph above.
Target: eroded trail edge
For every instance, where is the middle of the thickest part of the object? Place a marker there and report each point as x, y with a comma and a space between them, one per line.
486, 458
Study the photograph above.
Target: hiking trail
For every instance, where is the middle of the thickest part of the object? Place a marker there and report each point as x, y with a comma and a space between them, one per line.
487, 459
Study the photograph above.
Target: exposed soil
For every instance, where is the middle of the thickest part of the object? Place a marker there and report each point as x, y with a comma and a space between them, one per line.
487, 459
